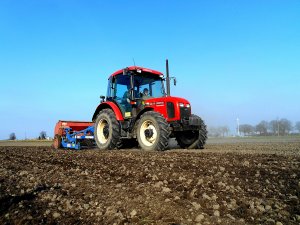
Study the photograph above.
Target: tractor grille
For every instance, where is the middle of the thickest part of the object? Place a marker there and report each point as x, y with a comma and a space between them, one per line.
170, 110
185, 113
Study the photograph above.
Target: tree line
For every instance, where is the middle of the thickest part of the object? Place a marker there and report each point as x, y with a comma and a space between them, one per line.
273, 127
264, 128
220, 131
42, 136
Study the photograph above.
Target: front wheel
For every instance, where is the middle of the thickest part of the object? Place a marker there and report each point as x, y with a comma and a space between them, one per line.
153, 131
192, 138
107, 130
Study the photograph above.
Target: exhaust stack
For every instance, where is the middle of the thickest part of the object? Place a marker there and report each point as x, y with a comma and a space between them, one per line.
167, 78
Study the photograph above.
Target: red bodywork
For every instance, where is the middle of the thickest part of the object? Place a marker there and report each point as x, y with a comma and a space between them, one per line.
160, 105
155, 104
75, 125
135, 68
113, 106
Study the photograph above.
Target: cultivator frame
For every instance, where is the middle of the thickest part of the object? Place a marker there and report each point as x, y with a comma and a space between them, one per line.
74, 135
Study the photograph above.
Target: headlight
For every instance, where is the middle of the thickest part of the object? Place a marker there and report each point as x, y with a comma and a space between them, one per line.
181, 104
188, 105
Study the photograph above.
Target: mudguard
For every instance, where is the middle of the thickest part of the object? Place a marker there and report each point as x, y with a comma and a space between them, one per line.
108, 105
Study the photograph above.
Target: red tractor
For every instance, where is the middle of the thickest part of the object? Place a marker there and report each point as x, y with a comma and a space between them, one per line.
136, 109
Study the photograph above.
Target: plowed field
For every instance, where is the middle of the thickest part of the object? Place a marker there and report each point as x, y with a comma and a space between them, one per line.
241, 183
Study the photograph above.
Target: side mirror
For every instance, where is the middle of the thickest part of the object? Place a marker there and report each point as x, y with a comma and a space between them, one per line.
102, 98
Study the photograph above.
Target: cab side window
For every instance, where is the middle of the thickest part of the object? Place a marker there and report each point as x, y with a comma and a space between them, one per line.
122, 92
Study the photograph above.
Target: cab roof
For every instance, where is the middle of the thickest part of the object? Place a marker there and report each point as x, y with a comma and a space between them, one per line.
137, 69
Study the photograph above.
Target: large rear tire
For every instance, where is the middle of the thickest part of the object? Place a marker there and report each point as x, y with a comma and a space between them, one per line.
192, 138
57, 141
107, 130
153, 132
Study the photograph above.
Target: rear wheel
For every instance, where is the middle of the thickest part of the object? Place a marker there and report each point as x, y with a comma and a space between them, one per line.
107, 130
192, 138
57, 141
153, 131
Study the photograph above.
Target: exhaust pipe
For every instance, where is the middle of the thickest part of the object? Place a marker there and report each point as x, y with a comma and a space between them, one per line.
167, 78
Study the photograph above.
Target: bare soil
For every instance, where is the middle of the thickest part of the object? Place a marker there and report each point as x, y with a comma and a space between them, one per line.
241, 183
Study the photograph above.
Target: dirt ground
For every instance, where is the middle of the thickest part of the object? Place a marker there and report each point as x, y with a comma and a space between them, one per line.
227, 183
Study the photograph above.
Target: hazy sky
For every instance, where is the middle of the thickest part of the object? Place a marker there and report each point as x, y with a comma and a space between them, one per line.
231, 58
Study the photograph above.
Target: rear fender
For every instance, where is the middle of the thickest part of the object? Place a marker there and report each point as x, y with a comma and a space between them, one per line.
108, 105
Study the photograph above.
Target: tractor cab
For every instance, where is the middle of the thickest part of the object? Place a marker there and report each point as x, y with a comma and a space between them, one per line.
131, 87
138, 109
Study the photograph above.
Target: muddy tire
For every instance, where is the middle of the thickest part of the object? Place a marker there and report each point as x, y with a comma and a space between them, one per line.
57, 142
107, 130
153, 132
192, 139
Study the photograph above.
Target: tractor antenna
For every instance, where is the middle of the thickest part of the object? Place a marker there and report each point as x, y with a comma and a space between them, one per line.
133, 62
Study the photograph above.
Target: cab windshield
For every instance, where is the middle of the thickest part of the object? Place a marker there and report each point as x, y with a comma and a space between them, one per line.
152, 84
145, 86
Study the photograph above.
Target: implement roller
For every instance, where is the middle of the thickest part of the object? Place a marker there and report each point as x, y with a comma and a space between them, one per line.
74, 135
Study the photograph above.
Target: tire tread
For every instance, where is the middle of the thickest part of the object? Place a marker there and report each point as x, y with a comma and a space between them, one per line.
115, 142
163, 141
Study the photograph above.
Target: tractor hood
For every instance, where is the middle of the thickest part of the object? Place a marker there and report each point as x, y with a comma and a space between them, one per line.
163, 100
172, 108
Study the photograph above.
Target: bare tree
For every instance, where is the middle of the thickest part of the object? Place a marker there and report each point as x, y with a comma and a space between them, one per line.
274, 126
285, 126
224, 130
247, 129
227, 130
213, 132
297, 126
262, 128
43, 135
218, 131
12, 136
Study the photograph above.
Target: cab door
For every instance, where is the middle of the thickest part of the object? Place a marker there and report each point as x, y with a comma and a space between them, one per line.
121, 94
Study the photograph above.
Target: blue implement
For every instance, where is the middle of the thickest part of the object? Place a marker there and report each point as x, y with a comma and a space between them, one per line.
76, 139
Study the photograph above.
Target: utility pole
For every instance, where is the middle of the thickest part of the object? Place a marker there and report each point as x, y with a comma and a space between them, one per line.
277, 126
238, 126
